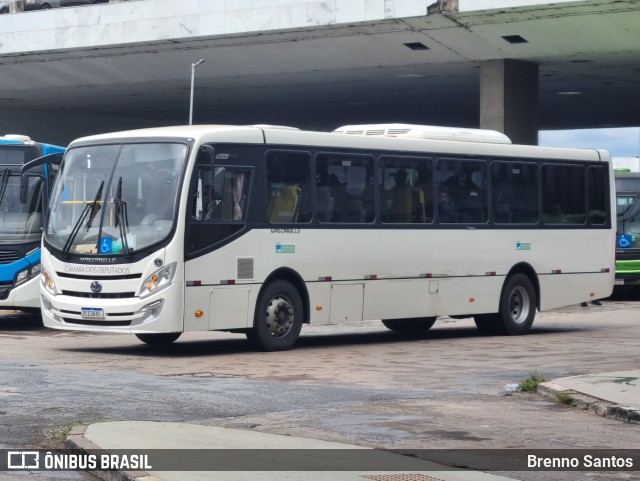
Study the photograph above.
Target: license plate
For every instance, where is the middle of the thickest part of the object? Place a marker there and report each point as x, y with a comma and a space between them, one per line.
92, 313
618, 282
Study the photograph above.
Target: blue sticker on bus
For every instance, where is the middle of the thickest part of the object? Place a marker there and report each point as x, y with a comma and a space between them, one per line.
625, 241
106, 245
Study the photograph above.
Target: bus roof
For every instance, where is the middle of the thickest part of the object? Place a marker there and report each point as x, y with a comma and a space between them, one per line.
280, 135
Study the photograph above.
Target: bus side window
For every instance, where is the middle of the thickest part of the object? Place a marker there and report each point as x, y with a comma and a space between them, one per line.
466, 186
406, 189
344, 188
288, 187
563, 194
596, 195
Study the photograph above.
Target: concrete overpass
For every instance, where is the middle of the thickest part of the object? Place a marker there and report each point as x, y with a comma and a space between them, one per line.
516, 66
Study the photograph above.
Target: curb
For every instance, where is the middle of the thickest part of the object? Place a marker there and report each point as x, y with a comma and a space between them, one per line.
76, 440
597, 406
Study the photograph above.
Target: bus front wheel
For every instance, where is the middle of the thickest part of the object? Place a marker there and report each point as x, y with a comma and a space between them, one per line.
518, 303
278, 319
159, 339
413, 325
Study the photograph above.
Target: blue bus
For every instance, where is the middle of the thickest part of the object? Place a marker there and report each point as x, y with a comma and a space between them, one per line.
27, 173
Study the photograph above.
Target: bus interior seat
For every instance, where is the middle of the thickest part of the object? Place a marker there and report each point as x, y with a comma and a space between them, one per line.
326, 203
284, 204
419, 211
401, 203
597, 217
148, 220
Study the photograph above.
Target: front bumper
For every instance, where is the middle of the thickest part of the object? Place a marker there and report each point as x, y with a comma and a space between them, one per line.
161, 312
24, 296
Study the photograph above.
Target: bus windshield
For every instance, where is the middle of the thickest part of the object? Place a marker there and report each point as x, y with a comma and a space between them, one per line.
116, 198
628, 215
20, 219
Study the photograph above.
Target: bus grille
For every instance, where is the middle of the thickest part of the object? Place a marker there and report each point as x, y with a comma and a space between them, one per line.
84, 322
8, 256
245, 268
102, 278
101, 295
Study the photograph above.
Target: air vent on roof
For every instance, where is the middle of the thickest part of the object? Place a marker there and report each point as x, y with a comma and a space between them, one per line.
426, 132
16, 137
277, 127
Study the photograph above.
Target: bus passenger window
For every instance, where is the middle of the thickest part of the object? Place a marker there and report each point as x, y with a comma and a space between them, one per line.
597, 194
563, 194
288, 187
514, 193
344, 188
465, 182
406, 190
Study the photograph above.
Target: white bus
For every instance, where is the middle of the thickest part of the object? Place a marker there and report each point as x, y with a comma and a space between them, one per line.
260, 229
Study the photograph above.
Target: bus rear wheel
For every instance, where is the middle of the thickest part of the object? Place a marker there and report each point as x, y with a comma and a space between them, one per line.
414, 325
159, 339
518, 303
278, 319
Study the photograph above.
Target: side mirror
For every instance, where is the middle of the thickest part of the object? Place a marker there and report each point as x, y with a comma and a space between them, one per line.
24, 188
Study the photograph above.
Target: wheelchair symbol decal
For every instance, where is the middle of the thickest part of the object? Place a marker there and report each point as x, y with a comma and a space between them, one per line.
625, 241
106, 245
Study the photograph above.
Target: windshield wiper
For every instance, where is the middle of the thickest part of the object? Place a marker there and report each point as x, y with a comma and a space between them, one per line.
91, 209
3, 183
122, 219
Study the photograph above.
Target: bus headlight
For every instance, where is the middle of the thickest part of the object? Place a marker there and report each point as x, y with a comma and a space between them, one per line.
157, 281
28, 273
35, 270
22, 276
48, 283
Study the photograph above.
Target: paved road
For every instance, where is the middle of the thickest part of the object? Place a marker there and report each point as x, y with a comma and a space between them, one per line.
358, 384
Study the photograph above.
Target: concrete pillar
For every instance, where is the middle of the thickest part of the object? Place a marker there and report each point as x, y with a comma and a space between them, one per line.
509, 99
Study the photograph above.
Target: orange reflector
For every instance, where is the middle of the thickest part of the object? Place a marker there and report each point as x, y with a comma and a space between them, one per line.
592, 294
318, 308
472, 299
199, 313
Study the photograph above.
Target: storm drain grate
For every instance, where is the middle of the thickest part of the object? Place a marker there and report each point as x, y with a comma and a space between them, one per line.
401, 477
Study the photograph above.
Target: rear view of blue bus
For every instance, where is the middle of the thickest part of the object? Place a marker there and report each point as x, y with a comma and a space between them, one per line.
23, 203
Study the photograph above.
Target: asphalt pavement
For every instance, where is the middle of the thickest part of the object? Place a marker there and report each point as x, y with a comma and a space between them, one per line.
613, 394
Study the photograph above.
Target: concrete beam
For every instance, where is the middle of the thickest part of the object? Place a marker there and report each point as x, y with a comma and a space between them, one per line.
509, 99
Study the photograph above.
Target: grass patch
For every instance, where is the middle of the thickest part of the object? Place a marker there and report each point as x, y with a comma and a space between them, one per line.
530, 384
62, 433
565, 398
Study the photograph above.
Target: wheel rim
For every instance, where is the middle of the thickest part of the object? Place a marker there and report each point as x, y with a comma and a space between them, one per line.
280, 316
519, 305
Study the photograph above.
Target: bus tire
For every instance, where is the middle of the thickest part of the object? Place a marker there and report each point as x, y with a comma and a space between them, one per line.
414, 325
159, 339
518, 303
278, 318
487, 323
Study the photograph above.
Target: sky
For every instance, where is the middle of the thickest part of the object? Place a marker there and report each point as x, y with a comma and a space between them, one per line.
622, 143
